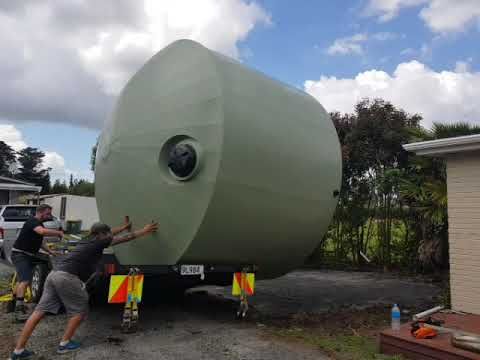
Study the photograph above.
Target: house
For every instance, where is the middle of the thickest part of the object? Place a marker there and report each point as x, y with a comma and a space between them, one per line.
462, 155
12, 189
71, 208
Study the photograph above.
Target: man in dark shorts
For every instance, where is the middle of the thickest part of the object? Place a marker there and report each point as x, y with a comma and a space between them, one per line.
24, 250
65, 286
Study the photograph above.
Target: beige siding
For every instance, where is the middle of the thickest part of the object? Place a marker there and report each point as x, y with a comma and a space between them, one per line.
463, 174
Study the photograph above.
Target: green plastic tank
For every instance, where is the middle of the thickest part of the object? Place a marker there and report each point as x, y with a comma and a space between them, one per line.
237, 168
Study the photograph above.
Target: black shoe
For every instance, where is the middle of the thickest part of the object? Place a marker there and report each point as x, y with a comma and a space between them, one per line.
25, 354
21, 313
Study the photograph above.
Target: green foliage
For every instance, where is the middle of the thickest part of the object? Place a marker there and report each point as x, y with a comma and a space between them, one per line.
441, 131
93, 156
373, 161
82, 188
30, 160
343, 347
59, 187
7, 159
393, 204
30, 168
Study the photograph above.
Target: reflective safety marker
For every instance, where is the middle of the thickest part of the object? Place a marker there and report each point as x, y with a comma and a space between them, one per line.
243, 281
119, 286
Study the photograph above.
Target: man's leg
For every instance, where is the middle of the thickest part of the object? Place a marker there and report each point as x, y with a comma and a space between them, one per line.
72, 327
20, 289
27, 331
21, 313
24, 267
75, 299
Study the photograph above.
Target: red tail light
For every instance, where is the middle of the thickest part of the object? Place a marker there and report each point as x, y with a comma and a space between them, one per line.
109, 269
2, 233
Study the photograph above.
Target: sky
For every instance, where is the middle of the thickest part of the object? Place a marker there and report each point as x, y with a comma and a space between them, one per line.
63, 63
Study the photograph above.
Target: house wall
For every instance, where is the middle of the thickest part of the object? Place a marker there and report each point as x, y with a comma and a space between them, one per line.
15, 196
4, 197
463, 183
77, 208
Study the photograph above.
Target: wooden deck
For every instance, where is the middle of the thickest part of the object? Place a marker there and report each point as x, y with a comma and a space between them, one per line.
431, 349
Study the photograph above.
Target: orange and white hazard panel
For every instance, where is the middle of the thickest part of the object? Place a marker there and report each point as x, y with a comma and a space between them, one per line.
122, 289
243, 283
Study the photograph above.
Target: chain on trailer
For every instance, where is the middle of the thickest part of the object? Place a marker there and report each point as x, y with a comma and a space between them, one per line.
243, 287
127, 289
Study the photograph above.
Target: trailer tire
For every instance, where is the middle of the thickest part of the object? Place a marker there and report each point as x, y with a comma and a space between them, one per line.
40, 272
98, 291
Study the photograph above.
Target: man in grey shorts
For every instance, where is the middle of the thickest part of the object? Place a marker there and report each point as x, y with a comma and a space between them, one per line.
65, 285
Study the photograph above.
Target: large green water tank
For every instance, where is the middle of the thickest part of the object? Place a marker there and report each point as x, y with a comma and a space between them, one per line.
237, 168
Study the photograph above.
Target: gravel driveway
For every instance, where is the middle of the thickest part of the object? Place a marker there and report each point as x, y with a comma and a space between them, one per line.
202, 324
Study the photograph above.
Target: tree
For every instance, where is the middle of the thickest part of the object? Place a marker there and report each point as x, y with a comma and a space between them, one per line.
393, 204
30, 160
441, 131
93, 156
373, 159
81, 187
424, 189
59, 187
7, 159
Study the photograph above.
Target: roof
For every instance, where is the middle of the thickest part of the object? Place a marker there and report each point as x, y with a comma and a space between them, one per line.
443, 147
48, 196
7, 183
15, 181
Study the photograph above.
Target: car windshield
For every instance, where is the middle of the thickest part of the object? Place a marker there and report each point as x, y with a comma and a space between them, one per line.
18, 213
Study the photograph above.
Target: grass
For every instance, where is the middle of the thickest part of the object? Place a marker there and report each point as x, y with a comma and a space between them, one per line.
344, 334
341, 347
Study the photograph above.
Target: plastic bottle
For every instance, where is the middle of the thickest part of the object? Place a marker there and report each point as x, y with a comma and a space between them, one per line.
395, 318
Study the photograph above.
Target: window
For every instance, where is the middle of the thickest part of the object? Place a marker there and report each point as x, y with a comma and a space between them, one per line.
18, 213
63, 207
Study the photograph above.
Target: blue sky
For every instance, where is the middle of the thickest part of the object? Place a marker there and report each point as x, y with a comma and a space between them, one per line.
423, 57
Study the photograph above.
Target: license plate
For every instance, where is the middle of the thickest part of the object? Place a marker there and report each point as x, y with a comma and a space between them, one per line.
191, 270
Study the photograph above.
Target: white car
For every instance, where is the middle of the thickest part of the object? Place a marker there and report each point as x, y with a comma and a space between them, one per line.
12, 218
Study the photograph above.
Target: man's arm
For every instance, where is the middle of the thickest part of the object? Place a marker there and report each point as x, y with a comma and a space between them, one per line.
47, 232
126, 226
147, 229
46, 249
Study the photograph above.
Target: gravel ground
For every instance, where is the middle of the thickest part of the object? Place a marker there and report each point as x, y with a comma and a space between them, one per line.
202, 325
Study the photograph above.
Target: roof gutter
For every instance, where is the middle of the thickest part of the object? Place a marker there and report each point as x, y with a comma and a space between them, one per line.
20, 187
443, 147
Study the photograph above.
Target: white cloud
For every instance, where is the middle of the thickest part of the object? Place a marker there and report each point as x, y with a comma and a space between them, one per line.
451, 15
462, 67
388, 9
348, 45
355, 44
10, 135
66, 61
13, 137
440, 16
56, 163
445, 96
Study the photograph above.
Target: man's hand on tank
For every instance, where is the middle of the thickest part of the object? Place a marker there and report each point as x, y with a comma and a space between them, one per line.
149, 228
127, 226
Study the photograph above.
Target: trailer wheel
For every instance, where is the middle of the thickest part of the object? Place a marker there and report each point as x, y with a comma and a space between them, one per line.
40, 272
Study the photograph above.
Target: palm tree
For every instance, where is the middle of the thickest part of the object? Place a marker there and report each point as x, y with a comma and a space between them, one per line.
442, 131
424, 189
